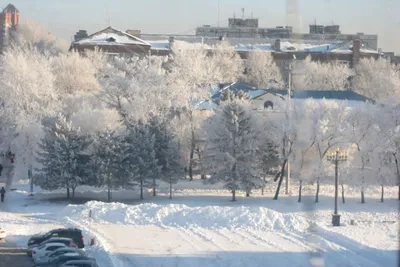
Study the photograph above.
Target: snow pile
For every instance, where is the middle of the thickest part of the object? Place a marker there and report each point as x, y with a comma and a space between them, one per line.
178, 215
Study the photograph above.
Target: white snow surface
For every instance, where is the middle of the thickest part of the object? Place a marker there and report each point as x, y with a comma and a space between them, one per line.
120, 39
200, 226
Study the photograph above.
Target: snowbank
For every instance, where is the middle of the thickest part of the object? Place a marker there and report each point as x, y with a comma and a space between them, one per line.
178, 215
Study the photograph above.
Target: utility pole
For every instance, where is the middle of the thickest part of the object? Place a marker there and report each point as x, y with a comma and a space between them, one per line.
287, 186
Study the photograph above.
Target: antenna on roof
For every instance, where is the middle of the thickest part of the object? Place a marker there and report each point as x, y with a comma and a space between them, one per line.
243, 13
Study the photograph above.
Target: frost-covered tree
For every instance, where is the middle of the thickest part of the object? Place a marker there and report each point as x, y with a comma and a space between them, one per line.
261, 69
107, 161
27, 95
30, 34
75, 73
232, 146
363, 134
268, 158
140, 161
68, 149
315, 75
166, 151
377, 79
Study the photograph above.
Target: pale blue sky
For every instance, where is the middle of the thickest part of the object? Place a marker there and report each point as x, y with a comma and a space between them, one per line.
64, 17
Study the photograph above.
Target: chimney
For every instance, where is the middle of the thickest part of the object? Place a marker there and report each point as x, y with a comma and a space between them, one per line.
81, 34
171, 41
356, 52
277, 45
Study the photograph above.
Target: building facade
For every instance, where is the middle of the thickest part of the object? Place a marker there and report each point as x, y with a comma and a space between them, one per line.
249, 29
9, 19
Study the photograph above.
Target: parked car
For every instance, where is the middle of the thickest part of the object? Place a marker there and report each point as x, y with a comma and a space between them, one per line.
56, 253
40, 251
61, 259
67, 241
80, 263
3, 234
73, 233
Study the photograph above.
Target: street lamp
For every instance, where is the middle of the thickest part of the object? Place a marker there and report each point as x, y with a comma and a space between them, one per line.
336, 158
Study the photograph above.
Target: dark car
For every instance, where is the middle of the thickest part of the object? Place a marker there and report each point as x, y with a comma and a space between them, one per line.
73, 233
57, 253
61, 259
81, 263
67, 241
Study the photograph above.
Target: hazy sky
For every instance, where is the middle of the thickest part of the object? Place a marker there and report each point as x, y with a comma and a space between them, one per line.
64, 17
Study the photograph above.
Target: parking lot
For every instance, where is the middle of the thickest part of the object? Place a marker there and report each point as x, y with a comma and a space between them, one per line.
11, 256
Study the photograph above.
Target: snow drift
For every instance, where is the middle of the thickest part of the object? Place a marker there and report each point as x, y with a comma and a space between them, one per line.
173, 215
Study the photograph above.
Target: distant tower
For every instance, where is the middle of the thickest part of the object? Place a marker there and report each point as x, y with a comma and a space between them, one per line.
9, 19
293, 15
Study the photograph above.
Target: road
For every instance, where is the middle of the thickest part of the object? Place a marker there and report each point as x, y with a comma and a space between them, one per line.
12, 256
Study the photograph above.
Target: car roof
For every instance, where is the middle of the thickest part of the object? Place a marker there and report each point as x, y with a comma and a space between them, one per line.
64, 230
59, 238
80, 261
65, 249
54, 244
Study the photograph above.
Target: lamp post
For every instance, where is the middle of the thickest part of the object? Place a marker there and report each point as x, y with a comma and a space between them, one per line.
336, 158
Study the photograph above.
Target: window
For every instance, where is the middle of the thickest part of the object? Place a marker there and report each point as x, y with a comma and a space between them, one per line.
51, 248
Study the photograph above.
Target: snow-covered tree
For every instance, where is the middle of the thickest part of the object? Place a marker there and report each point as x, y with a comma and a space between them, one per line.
107, 161
140, 157
268, 157
363, 134
30, 34
232, 146
68, 149
261, 69
27, 95
377, 79
314, 75
166, 150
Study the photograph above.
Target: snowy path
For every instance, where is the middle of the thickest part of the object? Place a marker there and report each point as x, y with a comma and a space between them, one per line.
156, 246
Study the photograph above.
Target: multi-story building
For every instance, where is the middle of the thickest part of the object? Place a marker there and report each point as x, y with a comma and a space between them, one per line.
249, 29
9, 19
243, 28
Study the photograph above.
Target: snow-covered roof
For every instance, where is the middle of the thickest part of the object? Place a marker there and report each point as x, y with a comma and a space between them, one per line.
160, 45
111, 36
345, 95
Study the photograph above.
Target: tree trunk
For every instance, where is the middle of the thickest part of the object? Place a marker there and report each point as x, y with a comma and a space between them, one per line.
362, 196
233, 195
170, 189
154, 187
203, 177
397, 170
300, 188
109, 194
248, 193
280, 180
141, 189
382, 194
68, 195
263, 187
73, 192
343, 200
317, 194
192, 148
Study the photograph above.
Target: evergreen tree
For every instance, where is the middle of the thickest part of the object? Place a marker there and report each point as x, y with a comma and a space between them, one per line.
140, 157
232, 147
64, 156
166, 152
107, 161
268, 158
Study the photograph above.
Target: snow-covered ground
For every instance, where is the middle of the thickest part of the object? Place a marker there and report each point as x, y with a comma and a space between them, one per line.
202, 227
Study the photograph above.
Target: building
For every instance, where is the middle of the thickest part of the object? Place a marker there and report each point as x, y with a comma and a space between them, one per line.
111, 41
243, 28
249, 29
9, 19
274, 99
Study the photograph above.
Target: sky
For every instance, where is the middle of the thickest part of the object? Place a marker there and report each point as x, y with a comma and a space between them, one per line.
64, 18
